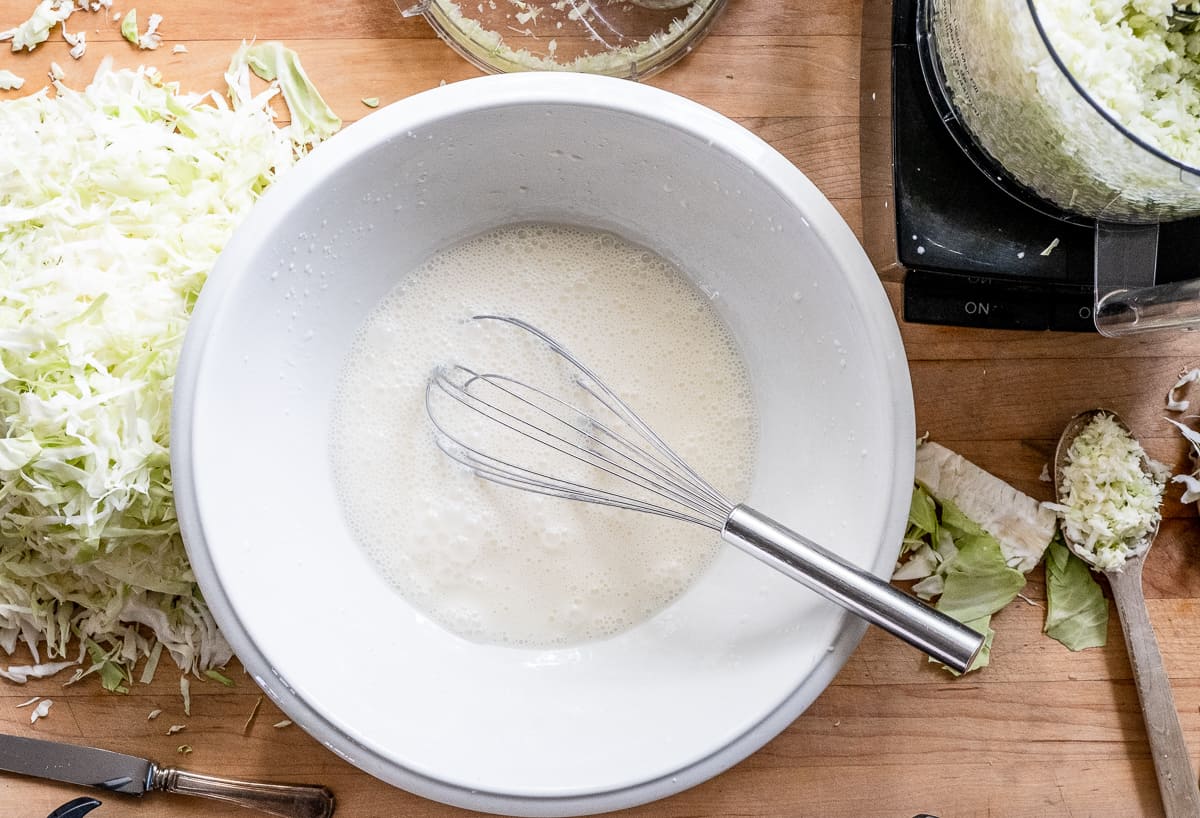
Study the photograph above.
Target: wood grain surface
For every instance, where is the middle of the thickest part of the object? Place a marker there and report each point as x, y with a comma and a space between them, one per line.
1042, 732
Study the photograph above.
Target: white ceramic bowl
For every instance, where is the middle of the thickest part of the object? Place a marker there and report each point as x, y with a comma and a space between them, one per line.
518, 731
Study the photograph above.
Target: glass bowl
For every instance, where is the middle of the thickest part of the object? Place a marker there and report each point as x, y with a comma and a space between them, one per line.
616, 38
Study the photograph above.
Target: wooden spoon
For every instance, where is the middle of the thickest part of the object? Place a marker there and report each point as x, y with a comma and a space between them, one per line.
1176, 781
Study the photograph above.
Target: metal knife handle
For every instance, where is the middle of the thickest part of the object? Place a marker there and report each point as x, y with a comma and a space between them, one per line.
286, 800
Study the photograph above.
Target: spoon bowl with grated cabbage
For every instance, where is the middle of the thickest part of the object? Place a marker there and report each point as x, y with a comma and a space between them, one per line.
1108, 493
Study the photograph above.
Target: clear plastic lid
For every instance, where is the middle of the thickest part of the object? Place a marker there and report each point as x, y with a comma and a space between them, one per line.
618, 38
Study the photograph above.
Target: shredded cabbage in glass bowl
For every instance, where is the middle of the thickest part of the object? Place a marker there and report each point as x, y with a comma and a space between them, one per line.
633, 40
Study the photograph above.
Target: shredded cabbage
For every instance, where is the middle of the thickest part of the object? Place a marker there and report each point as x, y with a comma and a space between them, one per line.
77, 41
114, 204
312, 118
1110, 505
1177, 403
1028, 115
129, 26
41, 711
36, 30
129, 30
46, 15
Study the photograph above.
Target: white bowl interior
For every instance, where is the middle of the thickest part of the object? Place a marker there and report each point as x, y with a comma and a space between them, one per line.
727, 665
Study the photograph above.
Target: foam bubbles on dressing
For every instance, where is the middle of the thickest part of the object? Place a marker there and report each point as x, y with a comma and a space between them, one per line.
494, 564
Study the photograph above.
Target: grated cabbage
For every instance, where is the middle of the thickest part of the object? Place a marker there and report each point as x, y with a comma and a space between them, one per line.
1028, 115
114, 205
1110, 505
1128, 58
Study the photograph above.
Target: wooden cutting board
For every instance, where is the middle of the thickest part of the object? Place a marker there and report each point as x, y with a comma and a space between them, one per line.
1042, 732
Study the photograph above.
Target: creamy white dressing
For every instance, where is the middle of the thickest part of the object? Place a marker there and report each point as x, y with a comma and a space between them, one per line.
495, 564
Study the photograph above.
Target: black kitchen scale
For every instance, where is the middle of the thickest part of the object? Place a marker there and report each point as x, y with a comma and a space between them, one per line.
972, 247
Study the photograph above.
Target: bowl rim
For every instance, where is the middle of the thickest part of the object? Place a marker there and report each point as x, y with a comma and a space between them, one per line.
503, 90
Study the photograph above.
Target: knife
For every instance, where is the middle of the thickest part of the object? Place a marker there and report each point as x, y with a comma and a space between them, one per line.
117, 772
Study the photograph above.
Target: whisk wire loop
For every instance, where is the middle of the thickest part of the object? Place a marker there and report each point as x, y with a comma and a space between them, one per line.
610, 400
568, 430
631, 461
614, 403
675, 468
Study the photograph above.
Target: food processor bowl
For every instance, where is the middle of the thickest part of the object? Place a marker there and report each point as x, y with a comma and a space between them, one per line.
1013, 93
1006, 93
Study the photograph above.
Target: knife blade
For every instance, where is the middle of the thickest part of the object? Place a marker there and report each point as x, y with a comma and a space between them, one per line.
88, 766
117, 772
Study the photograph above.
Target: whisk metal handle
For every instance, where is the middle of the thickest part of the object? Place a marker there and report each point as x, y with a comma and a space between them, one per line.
860, 592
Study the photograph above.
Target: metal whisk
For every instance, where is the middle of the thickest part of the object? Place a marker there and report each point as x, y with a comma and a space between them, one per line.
594, 448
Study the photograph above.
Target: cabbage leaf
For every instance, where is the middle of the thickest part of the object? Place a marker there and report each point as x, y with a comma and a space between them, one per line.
956, 564
1076, 610
977, 581
312, 119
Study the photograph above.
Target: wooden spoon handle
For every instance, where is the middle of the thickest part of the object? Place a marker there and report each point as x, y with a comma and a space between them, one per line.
1176, 781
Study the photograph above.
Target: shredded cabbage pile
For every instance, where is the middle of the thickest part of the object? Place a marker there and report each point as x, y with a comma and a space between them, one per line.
114, 203
1110, 505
